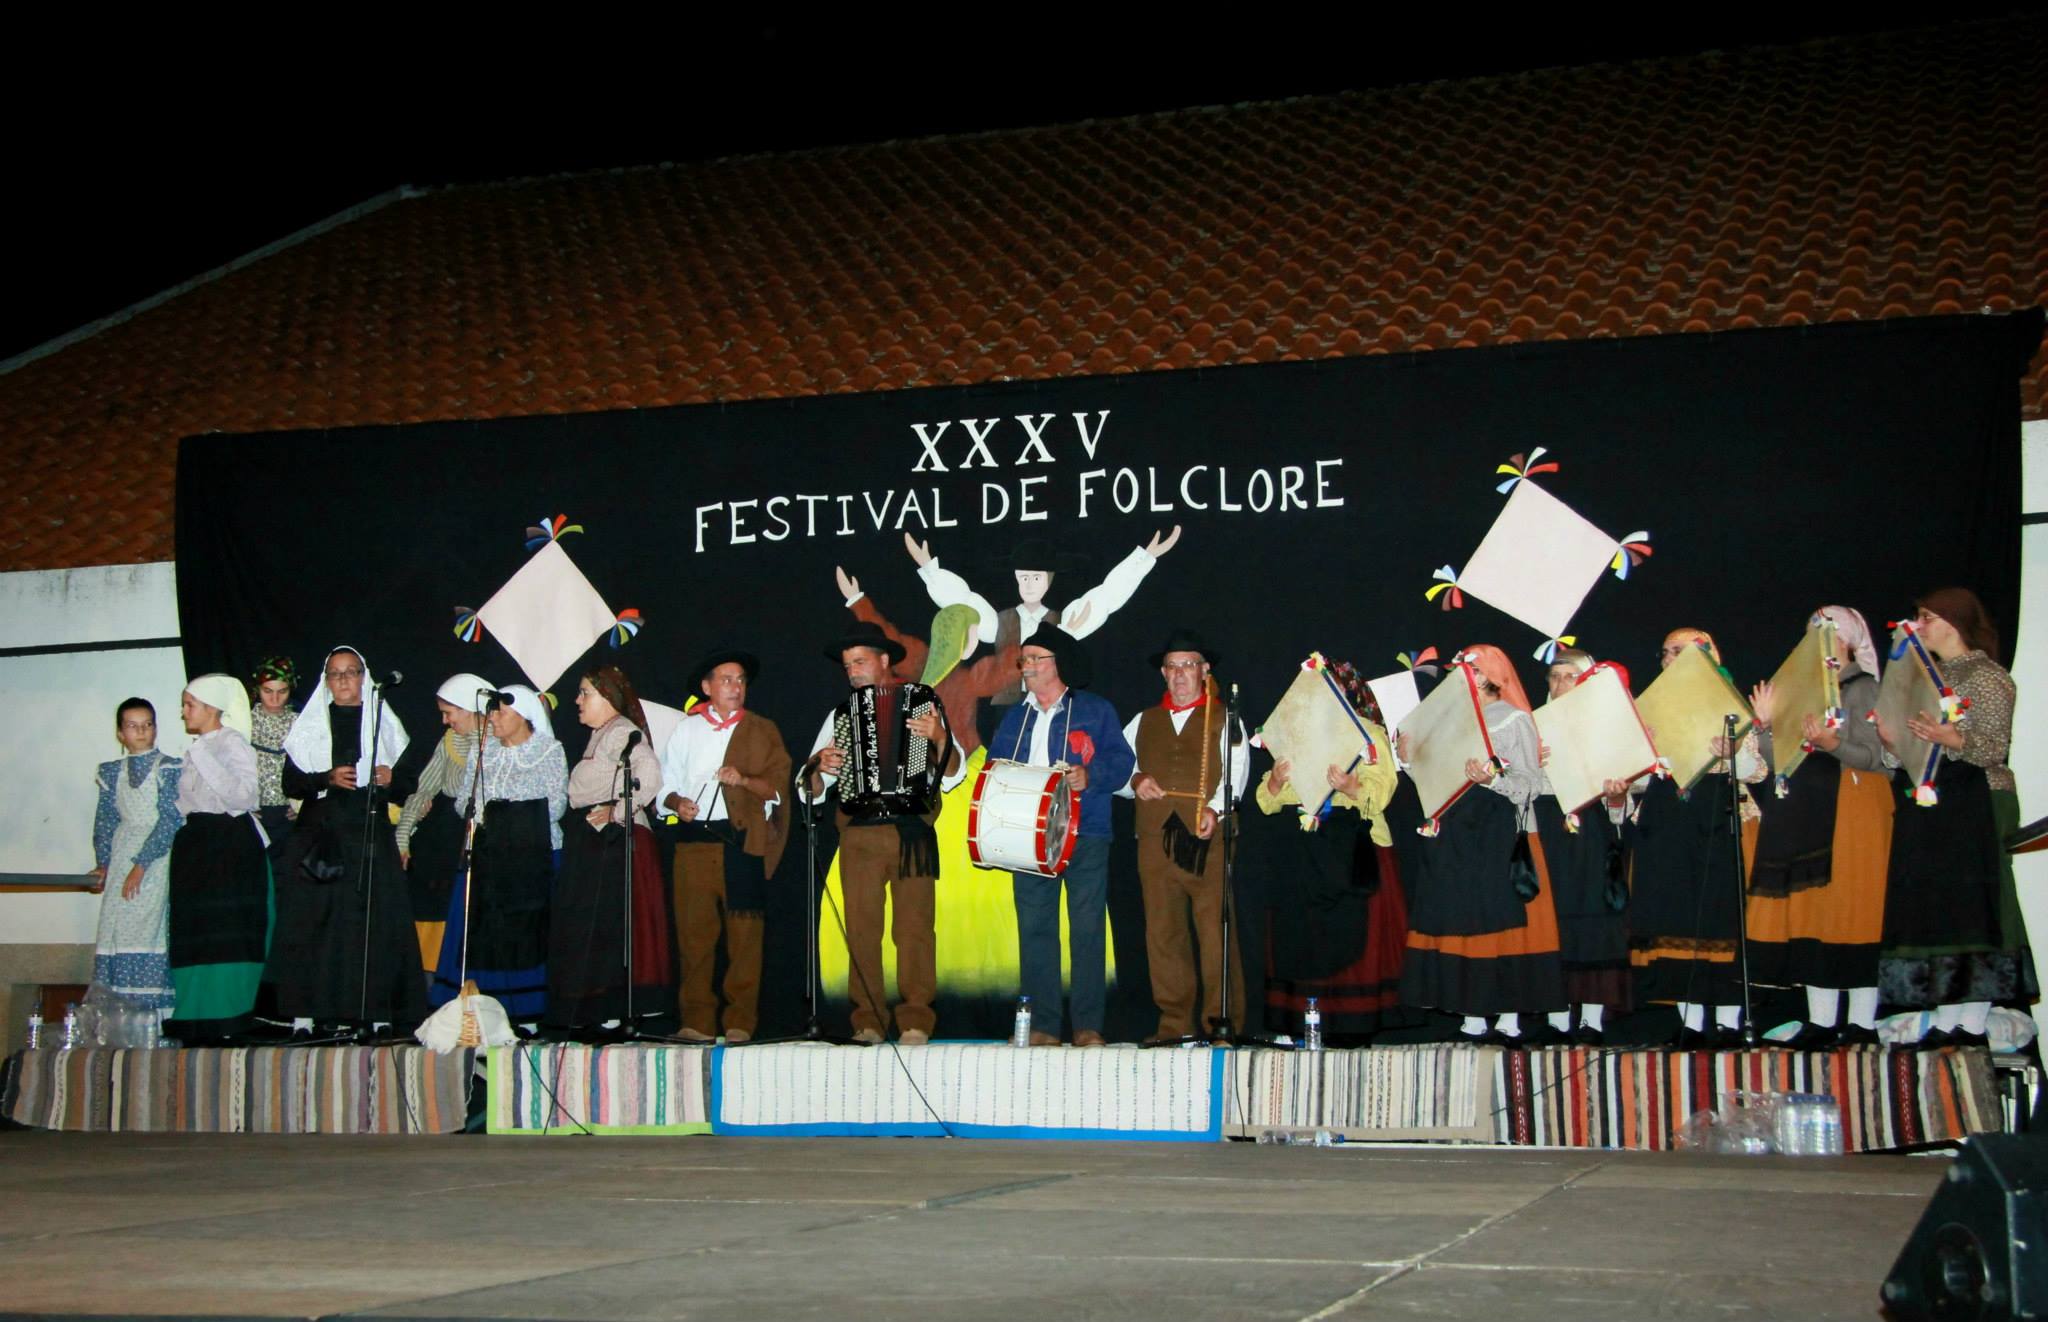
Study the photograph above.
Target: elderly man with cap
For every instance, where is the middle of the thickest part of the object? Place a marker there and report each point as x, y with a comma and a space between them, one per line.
723, 774
1058, 724
1183, 745
892, 855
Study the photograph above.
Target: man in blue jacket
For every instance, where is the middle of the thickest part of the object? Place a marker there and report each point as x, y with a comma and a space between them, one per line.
1059, 725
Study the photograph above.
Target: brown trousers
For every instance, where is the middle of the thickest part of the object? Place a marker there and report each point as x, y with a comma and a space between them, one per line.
868, 856
1170, 893
699, 889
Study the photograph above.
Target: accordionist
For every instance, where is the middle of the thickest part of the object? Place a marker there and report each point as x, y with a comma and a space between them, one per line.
888, 754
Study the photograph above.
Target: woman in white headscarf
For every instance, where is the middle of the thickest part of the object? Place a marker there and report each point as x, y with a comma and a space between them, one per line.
220, 879
343, 901
1816, 889
430, 826
504, 907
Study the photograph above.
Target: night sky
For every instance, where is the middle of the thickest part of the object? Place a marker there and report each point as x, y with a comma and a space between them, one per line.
191, 171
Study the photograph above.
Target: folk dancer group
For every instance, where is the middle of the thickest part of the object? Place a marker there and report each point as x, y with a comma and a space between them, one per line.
304, 867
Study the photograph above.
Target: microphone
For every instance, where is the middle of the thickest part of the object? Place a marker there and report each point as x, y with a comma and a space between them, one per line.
393, 680
632, 741
496, 697
1236, 726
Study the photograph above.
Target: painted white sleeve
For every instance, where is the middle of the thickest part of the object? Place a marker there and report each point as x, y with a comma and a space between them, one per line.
1107, 597
1131, 738
947, 588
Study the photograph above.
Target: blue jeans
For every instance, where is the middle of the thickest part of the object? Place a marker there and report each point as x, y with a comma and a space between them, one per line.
1038, 937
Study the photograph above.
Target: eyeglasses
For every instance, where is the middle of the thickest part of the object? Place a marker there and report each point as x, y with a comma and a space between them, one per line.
344, 674
1025, 662
1183, 665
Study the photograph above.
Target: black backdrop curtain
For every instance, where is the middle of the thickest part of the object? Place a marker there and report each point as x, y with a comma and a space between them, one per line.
1776, 471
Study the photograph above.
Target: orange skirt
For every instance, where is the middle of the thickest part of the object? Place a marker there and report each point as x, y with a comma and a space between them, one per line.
1537, 936
1849, 910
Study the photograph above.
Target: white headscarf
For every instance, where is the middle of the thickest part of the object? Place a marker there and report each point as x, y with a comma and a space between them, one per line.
533, 707
1852, 630
226, 695
462, 690
310, 745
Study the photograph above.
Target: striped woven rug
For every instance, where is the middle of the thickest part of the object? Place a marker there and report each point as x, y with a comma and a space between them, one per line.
569, 1089
1412, 1092
245, 1090
1595, 1098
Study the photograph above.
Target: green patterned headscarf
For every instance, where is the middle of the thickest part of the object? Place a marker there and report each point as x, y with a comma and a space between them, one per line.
277, 667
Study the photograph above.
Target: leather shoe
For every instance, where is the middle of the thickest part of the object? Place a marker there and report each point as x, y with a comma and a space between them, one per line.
1856, 1035
867, 1037
735, 1036
913, 1037
688, 1034
1088, 1037
1039, 1039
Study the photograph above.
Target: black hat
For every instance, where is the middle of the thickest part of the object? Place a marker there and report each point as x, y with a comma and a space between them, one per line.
1186, 640
717, 657
1038, 553
865, 633
1075, 667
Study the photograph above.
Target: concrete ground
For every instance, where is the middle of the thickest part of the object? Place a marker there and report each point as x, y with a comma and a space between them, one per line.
923, 1230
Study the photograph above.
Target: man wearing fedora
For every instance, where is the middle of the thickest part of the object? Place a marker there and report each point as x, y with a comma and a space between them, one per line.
723, 773
1183, 745
892, 858
1056, 723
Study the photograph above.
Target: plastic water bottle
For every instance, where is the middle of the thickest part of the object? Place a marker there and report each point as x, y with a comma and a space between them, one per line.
35, 1029
1020, 1028
1297, 1138
1312, 1027
70, 1026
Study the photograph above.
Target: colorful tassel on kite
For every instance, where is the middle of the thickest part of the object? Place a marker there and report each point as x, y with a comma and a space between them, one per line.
625, 627
1314, 662
1422, 663
1663, 768
554, 703
1634, 549
1523, 467
1924, 794
1778, 782
1834, 718
1547, 653
1430, 829
1952, 706
1571, 822
1307, 820
1454, 597
549, 530
468, 627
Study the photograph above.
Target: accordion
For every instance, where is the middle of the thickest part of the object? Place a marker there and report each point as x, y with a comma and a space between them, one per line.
889, 772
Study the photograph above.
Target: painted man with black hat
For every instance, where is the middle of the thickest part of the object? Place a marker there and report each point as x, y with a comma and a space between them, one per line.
1058, 723
1034, 562
723, 773
1182, 747
892, 858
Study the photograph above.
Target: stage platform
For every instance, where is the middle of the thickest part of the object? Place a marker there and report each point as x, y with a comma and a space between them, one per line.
1560, 1097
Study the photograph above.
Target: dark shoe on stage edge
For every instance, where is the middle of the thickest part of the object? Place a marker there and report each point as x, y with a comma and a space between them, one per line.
1856, 1035
1963, 1037
1690, 1039
1584, 1036
1934, 1039
1039, 1039
1543, 1035
1810, 1037
1088, 1037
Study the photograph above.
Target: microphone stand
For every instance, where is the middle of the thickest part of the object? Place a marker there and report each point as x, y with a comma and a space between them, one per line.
813, 1030
628, 784
471, 816
366, 877
1749, 1038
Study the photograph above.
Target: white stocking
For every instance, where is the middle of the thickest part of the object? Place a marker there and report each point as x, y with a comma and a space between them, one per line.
1510, 1025
1863, 1007
1592, 1015
1823, 1004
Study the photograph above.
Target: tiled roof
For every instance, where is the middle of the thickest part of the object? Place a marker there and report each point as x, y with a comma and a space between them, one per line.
1883, 176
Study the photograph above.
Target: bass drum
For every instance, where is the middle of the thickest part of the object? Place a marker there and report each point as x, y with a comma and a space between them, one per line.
1022, 818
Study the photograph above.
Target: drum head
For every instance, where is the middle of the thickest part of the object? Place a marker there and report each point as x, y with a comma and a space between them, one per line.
1057, 824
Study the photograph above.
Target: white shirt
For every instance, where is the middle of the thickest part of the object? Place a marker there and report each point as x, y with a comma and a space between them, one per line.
1239, 758
1039, 752
1082, 616
689, 766
947, 780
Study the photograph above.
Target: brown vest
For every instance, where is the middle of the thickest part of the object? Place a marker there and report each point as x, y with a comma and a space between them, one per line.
1175, 761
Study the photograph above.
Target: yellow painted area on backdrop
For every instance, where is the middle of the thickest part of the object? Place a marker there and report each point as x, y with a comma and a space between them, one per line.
976, 918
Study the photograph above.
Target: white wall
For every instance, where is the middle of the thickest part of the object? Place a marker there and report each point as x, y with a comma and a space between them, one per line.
58, 710
2029, 758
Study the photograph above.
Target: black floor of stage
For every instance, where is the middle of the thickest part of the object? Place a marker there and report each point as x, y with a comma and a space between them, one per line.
116, 1225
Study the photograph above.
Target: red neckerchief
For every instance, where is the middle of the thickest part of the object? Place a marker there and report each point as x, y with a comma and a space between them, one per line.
1166, 701
711, 720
